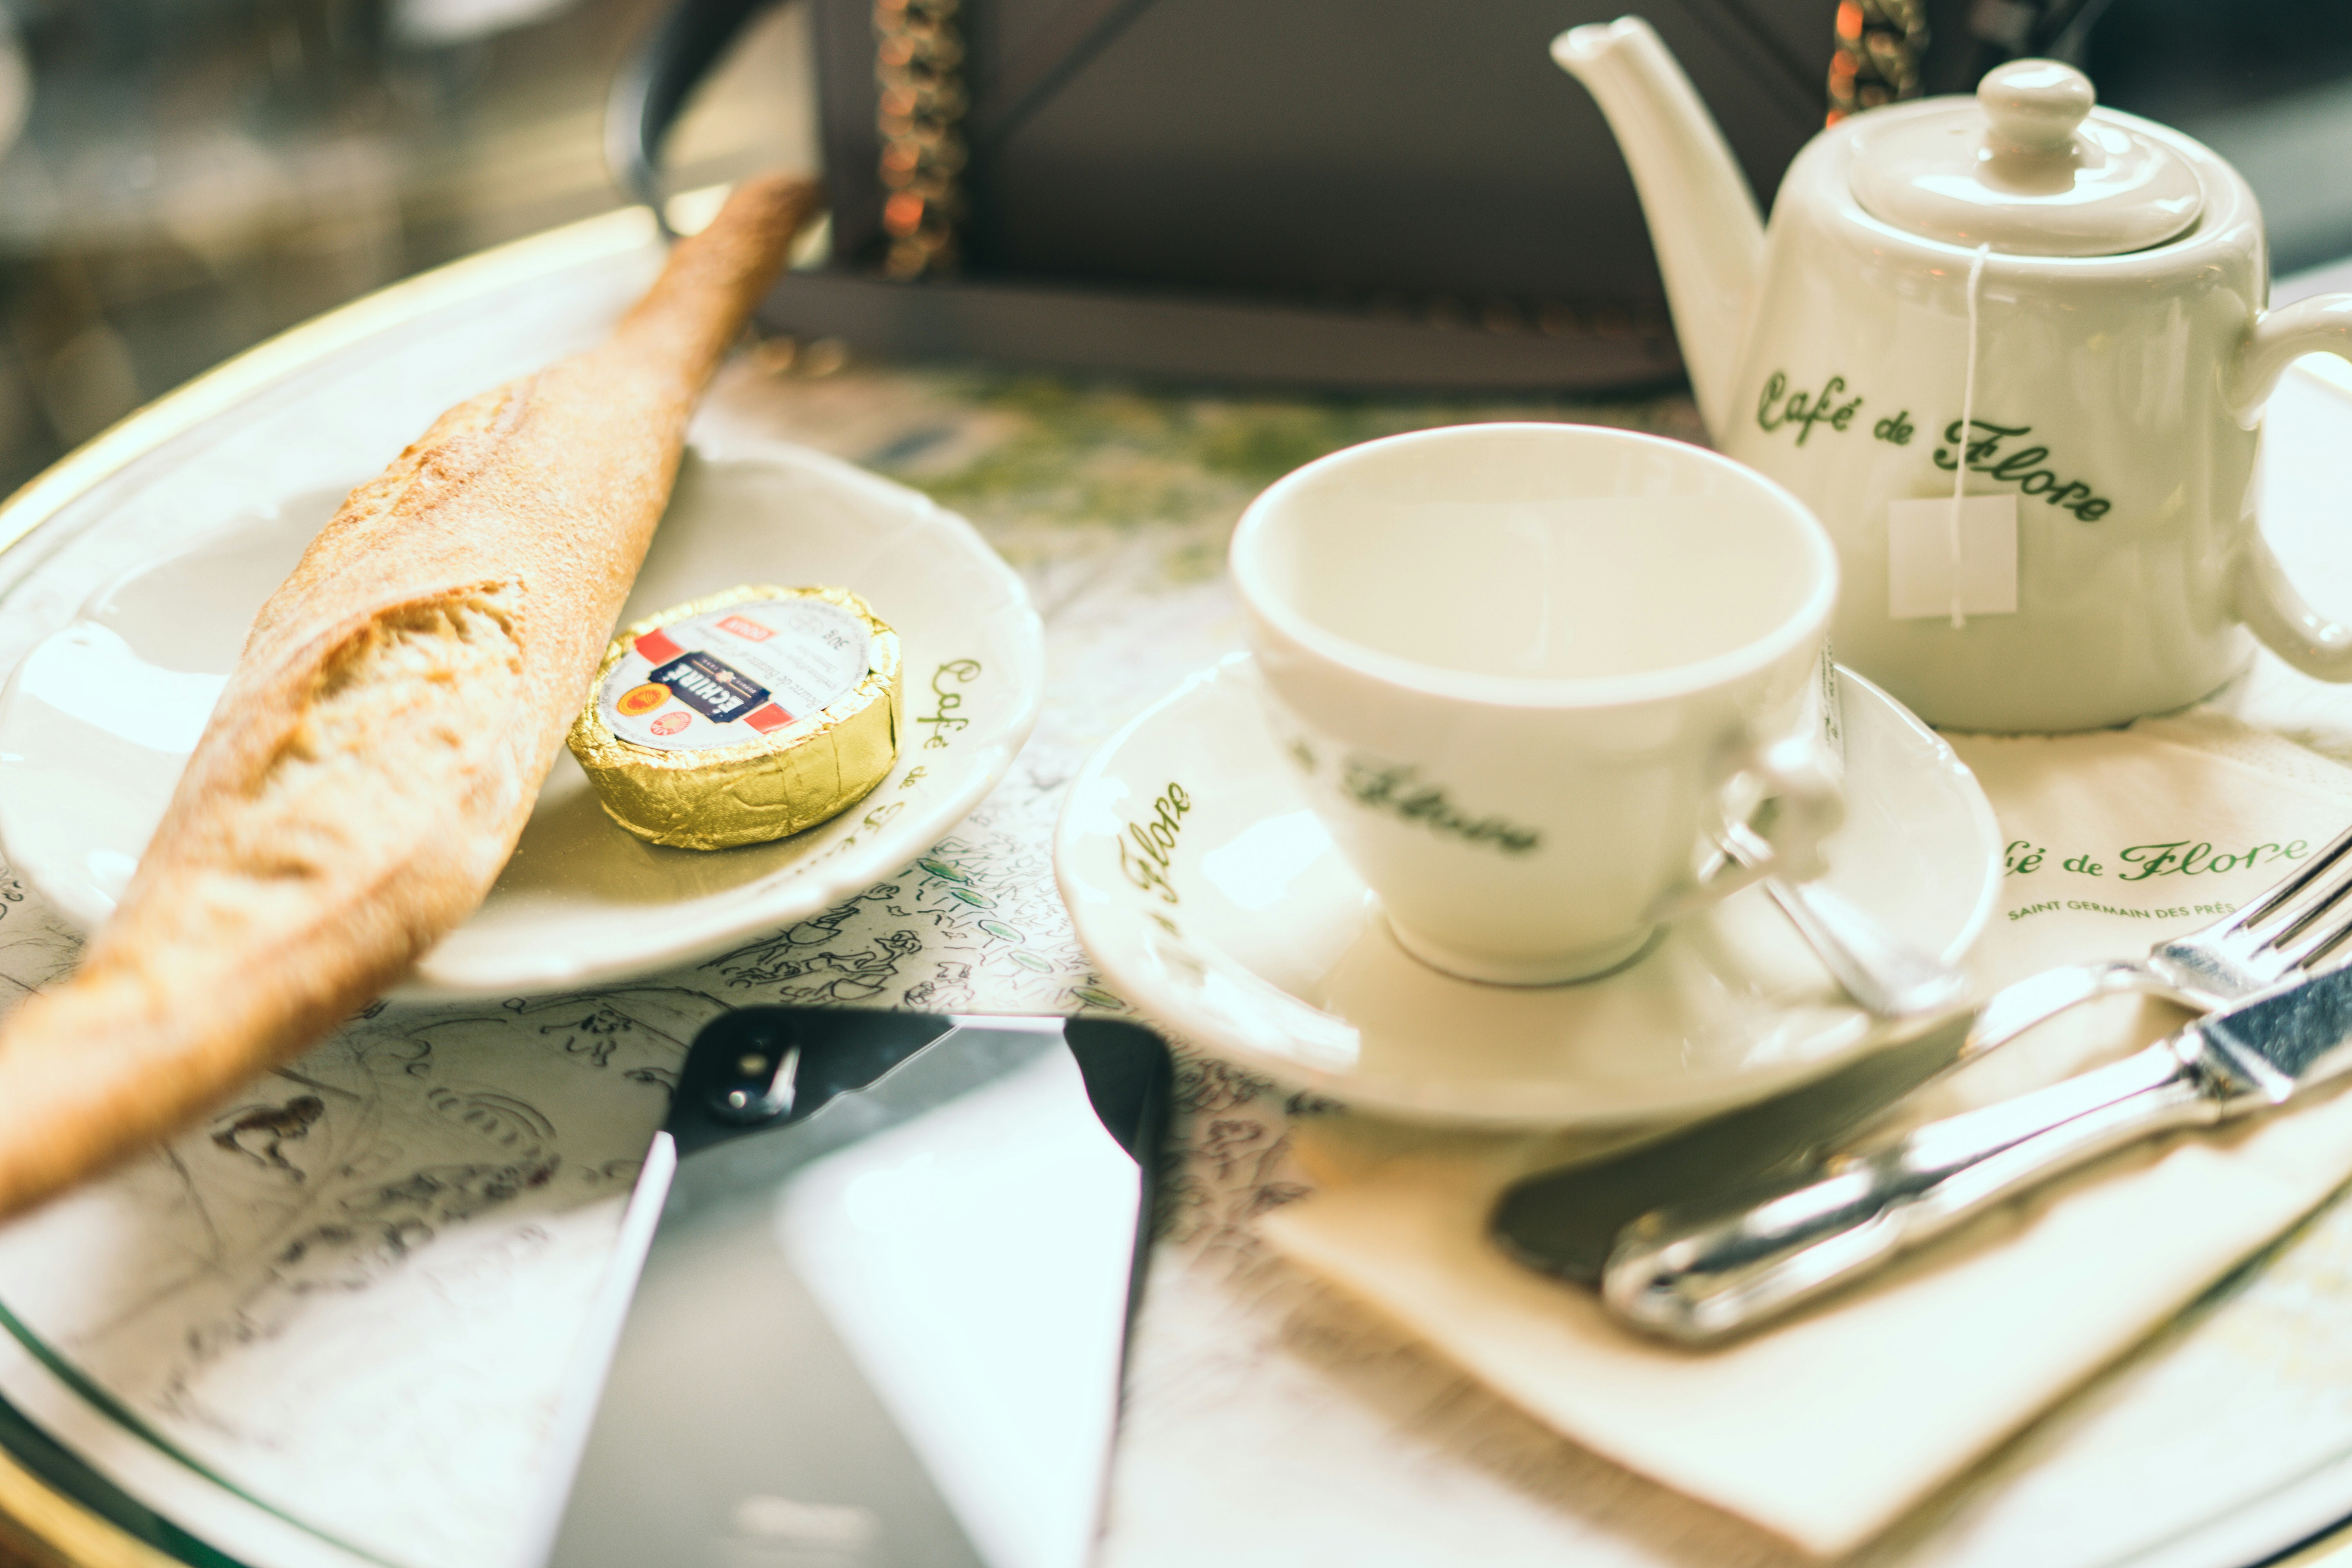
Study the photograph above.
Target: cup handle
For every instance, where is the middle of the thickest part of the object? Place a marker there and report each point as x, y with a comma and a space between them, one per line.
1798, 775
2265, 600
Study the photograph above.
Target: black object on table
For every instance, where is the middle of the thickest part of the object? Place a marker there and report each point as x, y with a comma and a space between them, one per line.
883, 1318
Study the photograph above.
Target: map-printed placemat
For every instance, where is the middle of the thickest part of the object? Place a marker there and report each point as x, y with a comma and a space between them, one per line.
347, 1296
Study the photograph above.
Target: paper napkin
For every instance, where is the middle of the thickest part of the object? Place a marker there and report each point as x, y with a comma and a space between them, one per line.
1824, 1430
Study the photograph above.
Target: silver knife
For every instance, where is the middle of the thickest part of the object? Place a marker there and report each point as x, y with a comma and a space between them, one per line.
1700, 1274
1565, 1222
869, 1301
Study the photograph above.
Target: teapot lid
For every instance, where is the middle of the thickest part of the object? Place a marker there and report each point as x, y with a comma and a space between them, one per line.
2028, 169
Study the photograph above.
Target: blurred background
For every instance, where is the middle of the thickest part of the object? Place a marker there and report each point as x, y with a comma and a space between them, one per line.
182, 178
185, 178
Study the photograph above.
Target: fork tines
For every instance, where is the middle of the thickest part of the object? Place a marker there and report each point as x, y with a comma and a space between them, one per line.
2296, 905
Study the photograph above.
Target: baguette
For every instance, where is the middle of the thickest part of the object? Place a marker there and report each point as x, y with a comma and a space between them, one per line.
381, 739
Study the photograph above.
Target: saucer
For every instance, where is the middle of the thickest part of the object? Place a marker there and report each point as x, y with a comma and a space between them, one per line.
97, 723
1251, 938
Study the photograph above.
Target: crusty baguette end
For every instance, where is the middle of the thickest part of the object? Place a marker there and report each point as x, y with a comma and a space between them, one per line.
379, 746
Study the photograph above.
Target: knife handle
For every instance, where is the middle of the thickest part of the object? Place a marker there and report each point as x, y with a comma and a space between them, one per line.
1699, 1274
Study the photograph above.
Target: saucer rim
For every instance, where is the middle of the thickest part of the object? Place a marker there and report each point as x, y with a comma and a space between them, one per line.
1398, 1098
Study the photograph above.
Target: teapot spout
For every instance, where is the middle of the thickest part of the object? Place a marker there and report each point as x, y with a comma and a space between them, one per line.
1703, 220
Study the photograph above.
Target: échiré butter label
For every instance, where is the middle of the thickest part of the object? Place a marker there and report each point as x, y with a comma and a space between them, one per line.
734, 674
715, 690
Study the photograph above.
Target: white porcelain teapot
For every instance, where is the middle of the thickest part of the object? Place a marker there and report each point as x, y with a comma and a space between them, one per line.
2081, 291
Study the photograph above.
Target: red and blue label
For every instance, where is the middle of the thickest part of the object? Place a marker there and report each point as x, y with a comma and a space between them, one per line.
712, 687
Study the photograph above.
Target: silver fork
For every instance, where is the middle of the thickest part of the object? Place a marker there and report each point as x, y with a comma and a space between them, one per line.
2284, 932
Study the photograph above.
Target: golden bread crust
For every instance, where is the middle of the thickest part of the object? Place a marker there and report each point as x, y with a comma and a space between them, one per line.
380, 744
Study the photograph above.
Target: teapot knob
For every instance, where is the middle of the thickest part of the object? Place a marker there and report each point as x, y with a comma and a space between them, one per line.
2034, 106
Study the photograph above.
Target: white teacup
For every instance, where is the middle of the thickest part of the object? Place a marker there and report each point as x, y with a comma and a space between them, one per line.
1531, 674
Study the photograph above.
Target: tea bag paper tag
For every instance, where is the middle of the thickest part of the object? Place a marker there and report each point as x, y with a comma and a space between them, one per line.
1920, 567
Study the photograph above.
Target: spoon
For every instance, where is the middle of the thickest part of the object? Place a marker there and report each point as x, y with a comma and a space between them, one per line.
1884, 974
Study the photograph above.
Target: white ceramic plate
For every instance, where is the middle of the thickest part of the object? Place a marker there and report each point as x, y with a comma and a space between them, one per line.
98, 720
1259, 943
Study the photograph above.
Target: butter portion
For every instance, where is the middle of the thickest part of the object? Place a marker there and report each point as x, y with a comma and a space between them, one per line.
741, 717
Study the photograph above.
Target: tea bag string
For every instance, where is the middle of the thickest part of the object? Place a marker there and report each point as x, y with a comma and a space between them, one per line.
1967, 421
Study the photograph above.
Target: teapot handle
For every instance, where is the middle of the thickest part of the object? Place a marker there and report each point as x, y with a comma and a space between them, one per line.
2266, 601
2319, 325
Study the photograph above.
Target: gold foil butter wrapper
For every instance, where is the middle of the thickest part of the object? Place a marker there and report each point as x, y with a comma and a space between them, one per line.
741, 717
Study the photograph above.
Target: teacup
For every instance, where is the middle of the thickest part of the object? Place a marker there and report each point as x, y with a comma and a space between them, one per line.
1531, 673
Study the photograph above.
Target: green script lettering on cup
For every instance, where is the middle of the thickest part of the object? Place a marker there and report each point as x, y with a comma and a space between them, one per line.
1397, 790
2026, 467
1780, 407
1145, 848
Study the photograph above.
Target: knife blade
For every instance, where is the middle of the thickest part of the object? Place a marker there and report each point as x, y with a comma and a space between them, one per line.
1566, 1222
1708, 1270
869, 1299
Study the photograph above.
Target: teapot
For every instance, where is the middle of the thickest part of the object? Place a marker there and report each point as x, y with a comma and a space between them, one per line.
2012, 350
